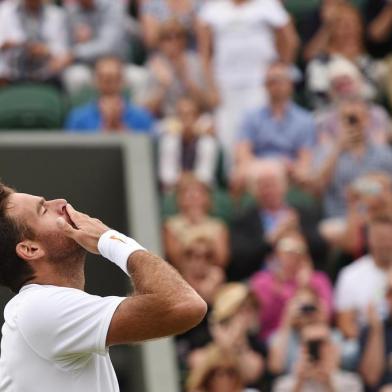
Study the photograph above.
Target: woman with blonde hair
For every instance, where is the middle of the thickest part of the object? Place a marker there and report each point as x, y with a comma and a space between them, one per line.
194, 203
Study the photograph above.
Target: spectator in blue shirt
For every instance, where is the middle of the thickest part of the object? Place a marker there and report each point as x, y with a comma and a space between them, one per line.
111, 112
281, 129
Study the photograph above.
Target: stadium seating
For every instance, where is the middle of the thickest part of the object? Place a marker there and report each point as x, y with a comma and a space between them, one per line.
31, 106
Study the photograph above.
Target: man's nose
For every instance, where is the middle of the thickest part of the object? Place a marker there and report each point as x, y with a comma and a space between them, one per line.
58, 205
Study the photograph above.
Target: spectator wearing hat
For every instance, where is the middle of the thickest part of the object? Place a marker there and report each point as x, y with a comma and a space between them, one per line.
194, 203
289, 269
111, 112
217, 373
233, 323
187, 144
342, 36
346, 83
281, 129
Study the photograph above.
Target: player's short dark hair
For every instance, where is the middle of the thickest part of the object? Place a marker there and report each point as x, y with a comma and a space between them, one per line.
14, 271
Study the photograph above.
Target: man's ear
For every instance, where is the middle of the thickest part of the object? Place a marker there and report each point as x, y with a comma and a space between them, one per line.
29, 250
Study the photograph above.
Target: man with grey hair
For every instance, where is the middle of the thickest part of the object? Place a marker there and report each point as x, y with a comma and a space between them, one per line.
254, 233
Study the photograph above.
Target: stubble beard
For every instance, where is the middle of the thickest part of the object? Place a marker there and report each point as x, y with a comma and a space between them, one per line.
62, 251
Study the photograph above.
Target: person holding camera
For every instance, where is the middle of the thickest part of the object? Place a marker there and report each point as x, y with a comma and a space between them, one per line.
233, 324
289, 270
317, 367
353, 155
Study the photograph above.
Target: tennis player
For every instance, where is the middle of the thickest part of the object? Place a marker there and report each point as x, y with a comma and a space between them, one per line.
56, 336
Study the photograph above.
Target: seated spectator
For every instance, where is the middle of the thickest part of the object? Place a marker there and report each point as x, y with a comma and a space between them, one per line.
290, 268
364, 281
345, 84
305, 308
217, 373
282, 129
199, 266
186, 143
342, 36
352, 155
111, 112
194, 202
175, 72
98, 28
233, 322
257, 229
33, 41
368, 197
154, 13
238, 58
315, 22
318, 366
376, 346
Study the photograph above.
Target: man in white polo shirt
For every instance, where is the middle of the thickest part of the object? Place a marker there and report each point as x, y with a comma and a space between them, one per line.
56, 336
363, 282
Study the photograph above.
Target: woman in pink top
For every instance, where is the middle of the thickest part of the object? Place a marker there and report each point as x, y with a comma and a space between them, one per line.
290, 269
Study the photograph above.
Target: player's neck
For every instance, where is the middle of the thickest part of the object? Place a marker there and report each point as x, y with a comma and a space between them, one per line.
62, 275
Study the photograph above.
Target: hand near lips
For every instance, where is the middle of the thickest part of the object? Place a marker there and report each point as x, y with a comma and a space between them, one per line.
83, 229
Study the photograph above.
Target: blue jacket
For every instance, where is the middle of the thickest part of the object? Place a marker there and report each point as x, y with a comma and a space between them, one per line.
87, 119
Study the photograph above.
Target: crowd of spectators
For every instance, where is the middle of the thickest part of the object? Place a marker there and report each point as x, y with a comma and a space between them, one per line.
271, 126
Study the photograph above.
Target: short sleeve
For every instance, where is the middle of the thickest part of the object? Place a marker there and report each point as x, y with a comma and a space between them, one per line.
277, 15
343, 293
63, 322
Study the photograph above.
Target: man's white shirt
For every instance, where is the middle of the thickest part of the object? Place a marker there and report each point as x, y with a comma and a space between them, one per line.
360, 284
54, 339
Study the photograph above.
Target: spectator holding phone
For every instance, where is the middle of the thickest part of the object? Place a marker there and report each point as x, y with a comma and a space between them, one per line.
318, 366
289, 270
352, 156
368, 197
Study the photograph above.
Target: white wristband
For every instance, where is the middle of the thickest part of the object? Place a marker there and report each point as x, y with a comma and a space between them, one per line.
117, 247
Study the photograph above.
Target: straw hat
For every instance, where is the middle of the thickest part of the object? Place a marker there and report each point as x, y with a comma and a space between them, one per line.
228, 300
214, 358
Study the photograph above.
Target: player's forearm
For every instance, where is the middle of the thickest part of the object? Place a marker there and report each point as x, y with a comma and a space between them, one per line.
169, 299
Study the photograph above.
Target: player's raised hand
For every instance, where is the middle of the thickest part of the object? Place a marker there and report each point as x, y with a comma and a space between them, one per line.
85, 230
